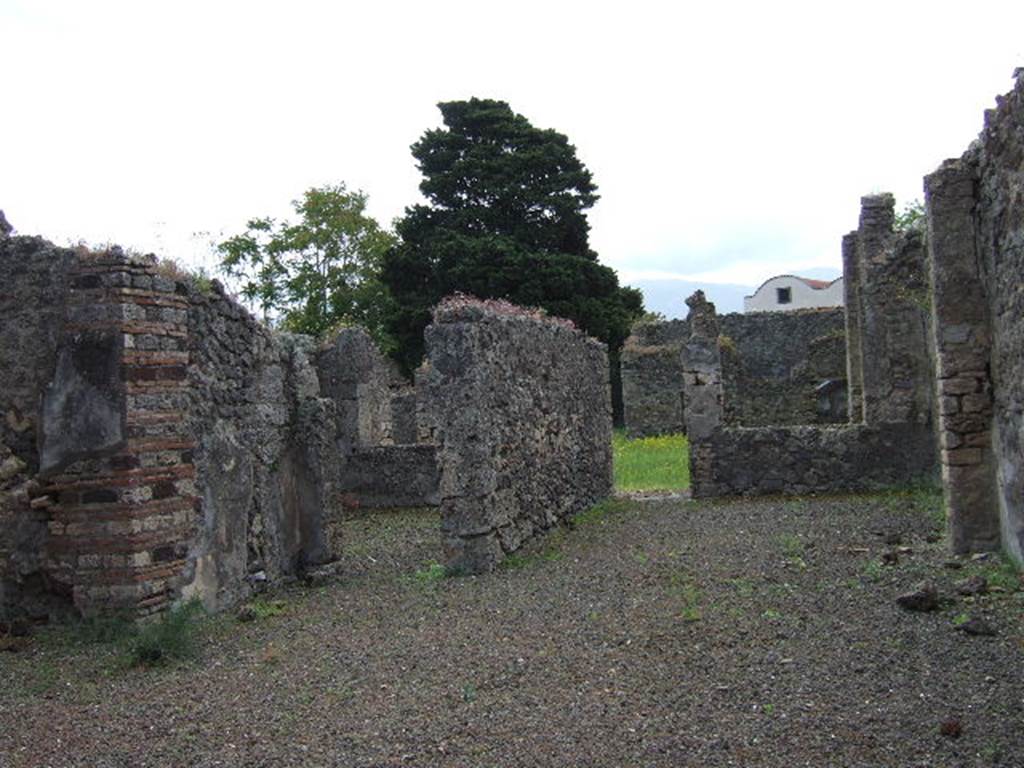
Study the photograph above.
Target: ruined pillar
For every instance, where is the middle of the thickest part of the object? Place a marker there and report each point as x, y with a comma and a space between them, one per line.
851, 300
962, 340
893, 307
114, 452
703, 402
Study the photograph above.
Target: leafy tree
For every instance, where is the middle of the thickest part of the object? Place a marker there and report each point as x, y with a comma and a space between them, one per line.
911, 217
506, 218
319, 272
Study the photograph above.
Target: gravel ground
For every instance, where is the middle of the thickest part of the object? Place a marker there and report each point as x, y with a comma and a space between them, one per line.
656, 633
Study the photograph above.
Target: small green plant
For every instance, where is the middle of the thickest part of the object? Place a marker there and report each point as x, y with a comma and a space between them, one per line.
1004, 575
743, 587
792, 546
992, 754
771, 615
516, 561
102, 628
171, 637
793, 549
873, 570
924, 497
202, 281
600, 512
469, 693
265, 609
431, 574
768, 709
689, 595
960, 619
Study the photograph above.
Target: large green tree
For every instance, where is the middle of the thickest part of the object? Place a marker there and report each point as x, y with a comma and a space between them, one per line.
318, 272
505, 218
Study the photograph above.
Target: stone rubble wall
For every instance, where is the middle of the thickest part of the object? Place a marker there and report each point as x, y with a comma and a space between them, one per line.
113, 473
726, 459
975, 214
522, 413
34, 286
266, 451
404, 427
773, 364
357, 377
854, 351
776, 362
651, 389
385, 464
703, 393
1001, 241
894, 314
798, 460
390, 476
159, 442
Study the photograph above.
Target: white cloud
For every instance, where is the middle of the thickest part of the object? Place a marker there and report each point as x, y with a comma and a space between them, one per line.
728, 139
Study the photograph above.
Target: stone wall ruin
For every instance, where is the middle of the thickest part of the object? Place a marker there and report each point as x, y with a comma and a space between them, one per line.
975, 219
157, 443
777, 368
523, 411
891, 437
168, 444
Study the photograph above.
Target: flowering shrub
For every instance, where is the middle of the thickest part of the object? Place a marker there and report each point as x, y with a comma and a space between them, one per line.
462, 306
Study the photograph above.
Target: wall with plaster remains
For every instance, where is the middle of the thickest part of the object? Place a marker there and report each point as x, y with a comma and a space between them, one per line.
158, 442
168, 444
522, 410
975, 214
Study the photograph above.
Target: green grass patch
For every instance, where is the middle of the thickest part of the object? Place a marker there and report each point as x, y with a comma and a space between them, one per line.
999, 571
686, 591
923, 497
431, 573
172, 637
516, 561
265, 609
651, 463
599, 513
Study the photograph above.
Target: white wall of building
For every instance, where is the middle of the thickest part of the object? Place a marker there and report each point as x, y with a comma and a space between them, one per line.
801, 295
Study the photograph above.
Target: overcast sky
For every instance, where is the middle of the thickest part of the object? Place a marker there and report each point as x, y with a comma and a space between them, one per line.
730, 141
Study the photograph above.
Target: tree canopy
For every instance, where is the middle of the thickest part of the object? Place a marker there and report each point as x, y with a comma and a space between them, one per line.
506, 218
316, 273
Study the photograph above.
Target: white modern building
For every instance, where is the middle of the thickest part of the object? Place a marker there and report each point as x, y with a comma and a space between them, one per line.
788, 292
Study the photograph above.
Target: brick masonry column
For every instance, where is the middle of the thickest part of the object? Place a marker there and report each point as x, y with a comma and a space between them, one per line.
703, 401
851, 300
123, 508
962, 340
